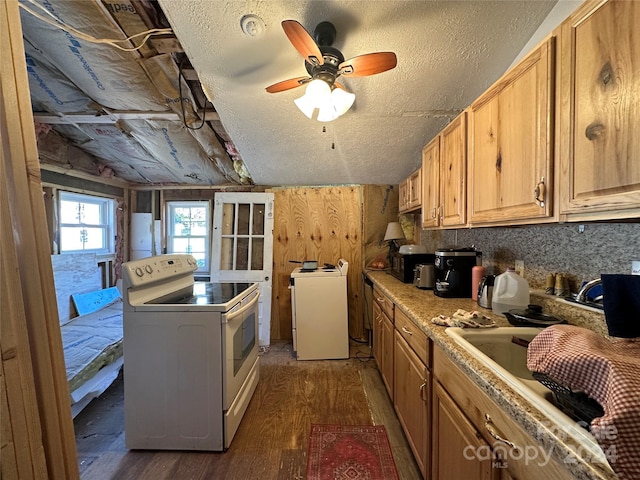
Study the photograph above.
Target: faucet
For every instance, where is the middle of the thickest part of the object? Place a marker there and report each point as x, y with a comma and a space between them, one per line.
582, 294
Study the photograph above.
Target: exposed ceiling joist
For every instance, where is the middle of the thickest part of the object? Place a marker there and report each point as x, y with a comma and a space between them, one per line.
112, 117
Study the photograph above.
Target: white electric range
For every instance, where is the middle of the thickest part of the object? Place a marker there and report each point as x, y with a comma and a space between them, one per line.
191, 355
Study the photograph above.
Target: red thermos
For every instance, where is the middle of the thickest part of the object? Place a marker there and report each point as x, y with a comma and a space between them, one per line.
477, 273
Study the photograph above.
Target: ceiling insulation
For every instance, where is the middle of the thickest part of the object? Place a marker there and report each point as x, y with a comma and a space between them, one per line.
131, 113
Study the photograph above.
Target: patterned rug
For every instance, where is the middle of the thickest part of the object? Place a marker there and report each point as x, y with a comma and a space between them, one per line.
350, 452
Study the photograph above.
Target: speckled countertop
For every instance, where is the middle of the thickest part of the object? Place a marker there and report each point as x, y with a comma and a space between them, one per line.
422, 305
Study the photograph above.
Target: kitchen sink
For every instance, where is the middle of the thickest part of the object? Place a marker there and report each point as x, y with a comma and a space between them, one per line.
495, 348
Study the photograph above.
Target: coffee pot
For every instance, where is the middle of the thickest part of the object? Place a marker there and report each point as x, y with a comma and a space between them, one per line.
485, 291
453, 268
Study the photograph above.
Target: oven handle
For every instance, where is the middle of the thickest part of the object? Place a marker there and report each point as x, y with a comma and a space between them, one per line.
237, 313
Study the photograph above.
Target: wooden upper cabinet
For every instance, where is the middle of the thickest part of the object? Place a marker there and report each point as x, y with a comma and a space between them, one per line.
453, 172
444, 174
510, 151
403, 192
599, 111
415, 189
431, 184
410, 192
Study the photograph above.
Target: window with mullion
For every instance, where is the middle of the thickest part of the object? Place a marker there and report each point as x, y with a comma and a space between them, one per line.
188, 230
86, 223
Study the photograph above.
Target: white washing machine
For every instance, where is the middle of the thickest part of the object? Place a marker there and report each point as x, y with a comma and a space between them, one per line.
320, 314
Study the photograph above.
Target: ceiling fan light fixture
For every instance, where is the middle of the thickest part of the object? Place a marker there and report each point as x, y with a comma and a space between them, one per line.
330, 104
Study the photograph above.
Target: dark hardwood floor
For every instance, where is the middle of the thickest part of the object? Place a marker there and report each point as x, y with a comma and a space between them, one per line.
271, 442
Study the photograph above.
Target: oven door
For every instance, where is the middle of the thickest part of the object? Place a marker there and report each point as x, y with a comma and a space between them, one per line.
240, 348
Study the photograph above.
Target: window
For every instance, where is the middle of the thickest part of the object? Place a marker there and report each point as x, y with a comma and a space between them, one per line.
87, 223
188, 230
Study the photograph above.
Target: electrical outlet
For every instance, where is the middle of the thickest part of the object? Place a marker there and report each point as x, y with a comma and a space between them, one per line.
520, 267
635, 267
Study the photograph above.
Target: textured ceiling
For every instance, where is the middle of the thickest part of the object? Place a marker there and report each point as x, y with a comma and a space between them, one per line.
448, 53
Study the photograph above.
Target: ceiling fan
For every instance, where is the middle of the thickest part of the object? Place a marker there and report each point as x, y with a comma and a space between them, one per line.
324, 65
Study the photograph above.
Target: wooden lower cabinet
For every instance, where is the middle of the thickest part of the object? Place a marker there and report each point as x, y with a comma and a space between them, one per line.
458, 451
480, 422
383, 345
411, 400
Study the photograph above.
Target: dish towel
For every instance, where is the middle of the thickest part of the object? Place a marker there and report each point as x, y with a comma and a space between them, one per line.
621, 301
463, 319
607, 370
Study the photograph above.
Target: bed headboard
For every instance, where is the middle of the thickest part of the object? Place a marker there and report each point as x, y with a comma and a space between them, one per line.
74, 273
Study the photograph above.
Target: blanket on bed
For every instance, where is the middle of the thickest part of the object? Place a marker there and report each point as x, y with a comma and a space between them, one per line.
92, 341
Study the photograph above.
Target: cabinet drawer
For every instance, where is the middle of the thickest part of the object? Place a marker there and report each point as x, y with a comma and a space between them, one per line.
491, 420
415, 337
385, 302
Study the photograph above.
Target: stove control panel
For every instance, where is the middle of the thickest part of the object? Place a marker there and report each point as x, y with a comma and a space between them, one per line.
160, 268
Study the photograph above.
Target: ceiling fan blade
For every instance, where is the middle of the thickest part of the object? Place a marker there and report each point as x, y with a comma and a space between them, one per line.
368, 64
303, 42
287, 84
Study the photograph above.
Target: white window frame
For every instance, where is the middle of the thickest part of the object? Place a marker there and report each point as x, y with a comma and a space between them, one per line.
171, 235
106, 222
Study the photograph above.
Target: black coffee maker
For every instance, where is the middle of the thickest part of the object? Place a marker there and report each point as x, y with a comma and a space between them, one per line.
453, 271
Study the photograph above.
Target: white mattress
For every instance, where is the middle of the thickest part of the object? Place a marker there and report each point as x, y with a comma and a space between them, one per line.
92, 341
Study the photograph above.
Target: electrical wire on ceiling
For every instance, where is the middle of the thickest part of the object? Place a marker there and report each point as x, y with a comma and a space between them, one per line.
109, 41
184, 117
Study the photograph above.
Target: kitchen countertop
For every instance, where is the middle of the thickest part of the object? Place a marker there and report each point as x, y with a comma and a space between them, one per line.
422, 305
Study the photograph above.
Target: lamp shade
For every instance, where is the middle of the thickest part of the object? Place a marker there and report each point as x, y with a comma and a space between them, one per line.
394, 231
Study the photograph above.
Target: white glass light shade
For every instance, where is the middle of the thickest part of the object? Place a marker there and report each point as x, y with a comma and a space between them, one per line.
317, 94
394, 231
342, 100
330, 104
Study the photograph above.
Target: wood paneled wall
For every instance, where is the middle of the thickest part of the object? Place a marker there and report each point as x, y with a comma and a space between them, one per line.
316, 223
324, 224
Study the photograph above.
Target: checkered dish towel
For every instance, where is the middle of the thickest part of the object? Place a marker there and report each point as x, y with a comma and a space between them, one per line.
608, 370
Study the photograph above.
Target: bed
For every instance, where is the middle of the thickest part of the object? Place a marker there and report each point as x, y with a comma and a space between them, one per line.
93, 357
91, 327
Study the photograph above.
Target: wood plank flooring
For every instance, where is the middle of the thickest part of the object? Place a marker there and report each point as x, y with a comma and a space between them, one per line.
271, 442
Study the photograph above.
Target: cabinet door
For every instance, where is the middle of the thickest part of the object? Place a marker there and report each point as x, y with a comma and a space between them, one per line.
458, 451
453, 173
411, 400
376, 328
510, 156
415, 189
431, 184
386, 369
600, 84
403, 201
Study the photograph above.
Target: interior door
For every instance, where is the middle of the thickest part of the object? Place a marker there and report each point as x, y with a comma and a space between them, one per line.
242, 246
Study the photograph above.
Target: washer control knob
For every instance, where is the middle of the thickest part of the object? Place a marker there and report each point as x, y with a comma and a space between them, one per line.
148, 269
139, 271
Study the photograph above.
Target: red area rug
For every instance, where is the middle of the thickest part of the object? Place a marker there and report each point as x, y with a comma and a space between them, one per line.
350, 452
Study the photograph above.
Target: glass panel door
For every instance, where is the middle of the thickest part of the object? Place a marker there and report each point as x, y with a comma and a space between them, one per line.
242, 246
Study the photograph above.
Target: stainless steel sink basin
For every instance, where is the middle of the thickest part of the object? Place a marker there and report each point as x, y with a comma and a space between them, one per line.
494, 348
